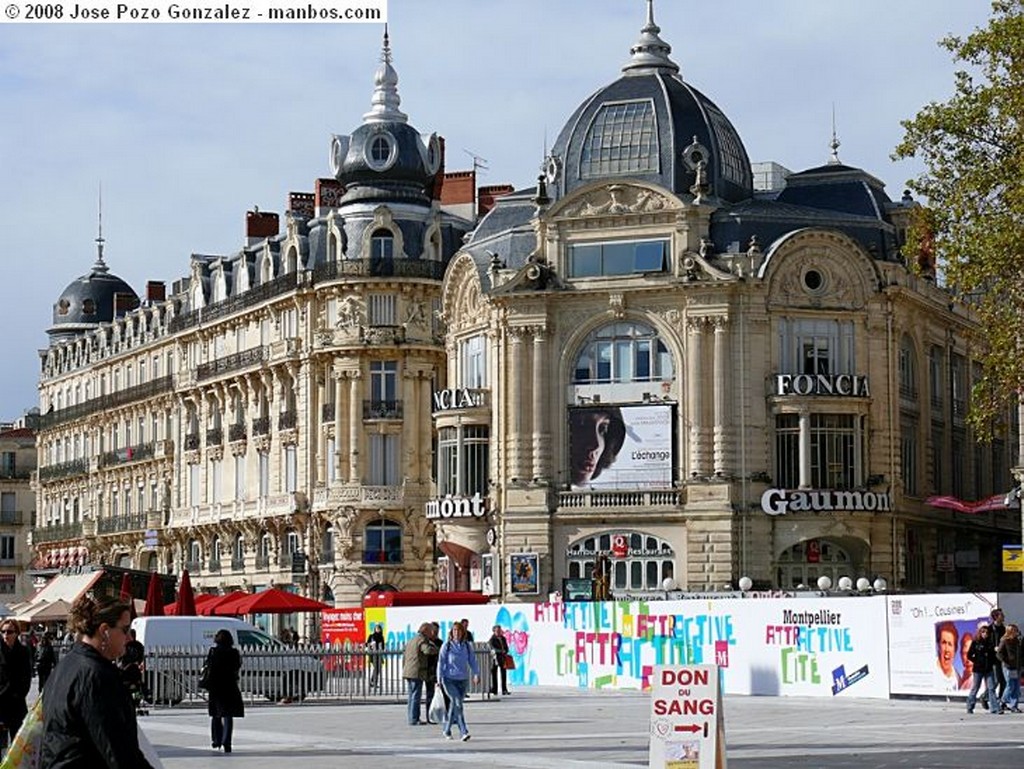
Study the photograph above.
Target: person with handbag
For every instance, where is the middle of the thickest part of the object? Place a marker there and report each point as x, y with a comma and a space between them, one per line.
224, 703
499, 659
455, 662
88, 716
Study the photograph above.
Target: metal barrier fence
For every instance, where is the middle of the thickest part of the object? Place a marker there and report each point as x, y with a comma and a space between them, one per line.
305, 673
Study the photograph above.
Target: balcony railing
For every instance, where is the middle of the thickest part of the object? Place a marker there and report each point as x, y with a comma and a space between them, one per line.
215, 565
375, 409
160, 386
64, 469
287, 420
234, 362
327, 412
262, 562
374, 268
57, 533
215, 436
667, 498
127, 454
271, 288
15, 474
192, 442
261, 425
237, 564
236, 432
121, 523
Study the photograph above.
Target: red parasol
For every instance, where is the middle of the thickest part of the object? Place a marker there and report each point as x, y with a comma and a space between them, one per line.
185, 606
272, 601
154, 597
126, 593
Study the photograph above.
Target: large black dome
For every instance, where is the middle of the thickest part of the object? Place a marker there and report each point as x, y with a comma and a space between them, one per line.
653, 126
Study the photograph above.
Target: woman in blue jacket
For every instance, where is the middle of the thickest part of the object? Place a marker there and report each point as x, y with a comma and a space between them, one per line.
455, 662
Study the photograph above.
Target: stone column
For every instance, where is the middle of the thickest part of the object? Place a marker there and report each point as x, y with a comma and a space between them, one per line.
339, 401
412, 414
515, 400
805, 449
541, 433
355, 426
694, 400
721, 380
425, 429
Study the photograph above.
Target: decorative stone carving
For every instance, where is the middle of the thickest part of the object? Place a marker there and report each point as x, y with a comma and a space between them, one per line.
351, 312
617, 305
617, 199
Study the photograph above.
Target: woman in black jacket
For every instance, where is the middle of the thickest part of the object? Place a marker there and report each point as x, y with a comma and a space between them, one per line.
88, 716
983, 656
15, 677
225, 702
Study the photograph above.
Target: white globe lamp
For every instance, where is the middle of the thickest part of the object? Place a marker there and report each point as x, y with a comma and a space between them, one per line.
824, 582
863, 584
669, 584
879, 585
845, 583
746, 583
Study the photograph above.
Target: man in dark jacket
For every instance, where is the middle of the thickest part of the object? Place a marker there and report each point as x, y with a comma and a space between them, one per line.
996, 629
374, 650
225, 702
46, 658
416, 649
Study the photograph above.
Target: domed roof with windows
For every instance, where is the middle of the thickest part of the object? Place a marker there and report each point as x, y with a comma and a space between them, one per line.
652, 126
90, 300
386, 159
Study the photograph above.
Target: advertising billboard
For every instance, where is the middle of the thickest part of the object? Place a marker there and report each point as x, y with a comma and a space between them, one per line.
620, 447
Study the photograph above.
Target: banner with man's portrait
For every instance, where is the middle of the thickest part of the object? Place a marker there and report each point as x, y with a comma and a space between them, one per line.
620, 447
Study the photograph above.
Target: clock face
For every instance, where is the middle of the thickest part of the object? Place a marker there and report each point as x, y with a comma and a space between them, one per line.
552, 168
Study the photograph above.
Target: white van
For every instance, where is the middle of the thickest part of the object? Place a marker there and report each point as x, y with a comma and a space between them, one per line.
176, 648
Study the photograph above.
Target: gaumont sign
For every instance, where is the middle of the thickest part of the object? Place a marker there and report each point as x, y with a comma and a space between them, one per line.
782, 501
457, 507
846, 385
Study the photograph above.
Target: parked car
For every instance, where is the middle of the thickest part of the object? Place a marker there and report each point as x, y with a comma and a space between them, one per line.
176, 648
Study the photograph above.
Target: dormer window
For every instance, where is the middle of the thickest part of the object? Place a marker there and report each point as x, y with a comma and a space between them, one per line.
618, 257
89, 307
382, 245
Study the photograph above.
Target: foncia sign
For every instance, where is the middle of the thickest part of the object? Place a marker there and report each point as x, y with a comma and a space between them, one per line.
687, 728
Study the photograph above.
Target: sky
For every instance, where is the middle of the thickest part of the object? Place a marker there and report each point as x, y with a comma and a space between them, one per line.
186, 127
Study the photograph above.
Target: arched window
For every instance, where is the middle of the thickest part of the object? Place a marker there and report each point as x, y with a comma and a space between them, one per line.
327, 550
803, 564
383, 542
193, 555
638, 561
238, 552
623, 352
215, 552
382, 245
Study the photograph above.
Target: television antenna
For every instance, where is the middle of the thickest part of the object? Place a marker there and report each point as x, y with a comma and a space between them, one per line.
479, 162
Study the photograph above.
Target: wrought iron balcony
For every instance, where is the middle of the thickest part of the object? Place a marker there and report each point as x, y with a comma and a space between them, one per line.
377, 409
194, 567
215, 436
236, 432
261, 425
382, 556
271, 288
230, 363
11, 517
57, 533
159, 386
127, 454
287, 420
64, 469
215, 565
374, 268
121, 523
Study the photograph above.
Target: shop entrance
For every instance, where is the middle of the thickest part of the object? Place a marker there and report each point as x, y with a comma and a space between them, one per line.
805, 562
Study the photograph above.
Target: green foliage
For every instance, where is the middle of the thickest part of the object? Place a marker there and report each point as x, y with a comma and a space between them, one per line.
973, 150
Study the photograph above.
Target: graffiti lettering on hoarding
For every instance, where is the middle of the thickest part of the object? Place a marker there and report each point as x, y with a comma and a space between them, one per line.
809, 639
799, 667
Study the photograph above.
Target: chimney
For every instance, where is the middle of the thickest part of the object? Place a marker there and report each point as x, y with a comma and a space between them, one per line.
437, 191
124, 303
489, 194
259, 225
458, 194
328, 195
301, 204
156, 291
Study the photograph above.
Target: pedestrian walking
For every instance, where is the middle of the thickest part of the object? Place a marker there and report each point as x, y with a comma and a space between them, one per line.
88, 717
998, 628
1008, 653
374, 650
15, 678
982, 654
225, 698
46, 659
499, 654
455, 662
415, 650
428, 666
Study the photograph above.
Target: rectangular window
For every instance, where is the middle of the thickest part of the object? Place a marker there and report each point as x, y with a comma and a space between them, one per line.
473, 362
8, 507
447, 461
908, 458
940, 479
384, 460
380, 309
7, 549
329, 461
816, 346
240, 477
959, 459
620, 257
7, 584
833, 451
264, 463
193, 485
291, 469
8, 465
958, 384
383, 380
787, 451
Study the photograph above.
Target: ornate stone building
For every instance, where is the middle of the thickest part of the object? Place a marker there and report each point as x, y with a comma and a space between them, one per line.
691, 381
267, 421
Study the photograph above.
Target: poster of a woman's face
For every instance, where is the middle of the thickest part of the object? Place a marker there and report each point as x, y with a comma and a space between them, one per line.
596, 436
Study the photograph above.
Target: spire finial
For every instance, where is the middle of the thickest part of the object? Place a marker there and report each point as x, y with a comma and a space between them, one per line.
385, 98
834, 144
100, 265
650, 53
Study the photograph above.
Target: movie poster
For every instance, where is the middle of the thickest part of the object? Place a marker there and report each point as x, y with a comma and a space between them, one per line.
524, 571
620, 447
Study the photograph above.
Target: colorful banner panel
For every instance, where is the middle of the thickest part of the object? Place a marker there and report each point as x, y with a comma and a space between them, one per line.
807, 646
620, 447
929, 636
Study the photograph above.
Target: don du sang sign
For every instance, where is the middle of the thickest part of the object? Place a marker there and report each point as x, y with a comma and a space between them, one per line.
687, 724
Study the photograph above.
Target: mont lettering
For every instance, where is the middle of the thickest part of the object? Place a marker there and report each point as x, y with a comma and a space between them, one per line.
456, 507
782, 501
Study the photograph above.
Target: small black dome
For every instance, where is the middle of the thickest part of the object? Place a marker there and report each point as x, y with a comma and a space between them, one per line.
89, 300
653, 126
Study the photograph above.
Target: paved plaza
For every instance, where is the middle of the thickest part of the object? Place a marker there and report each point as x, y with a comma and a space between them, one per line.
554, 728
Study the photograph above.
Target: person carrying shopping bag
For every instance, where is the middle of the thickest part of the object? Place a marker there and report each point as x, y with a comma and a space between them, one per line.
455, 663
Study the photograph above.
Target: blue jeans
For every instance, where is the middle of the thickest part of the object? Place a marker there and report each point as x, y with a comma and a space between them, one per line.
456, 688
415, 689
221, 728
1011, 697
990, 683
